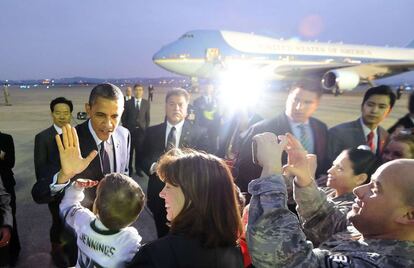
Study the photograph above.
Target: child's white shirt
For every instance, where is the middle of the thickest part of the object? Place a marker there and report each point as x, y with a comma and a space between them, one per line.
97, 246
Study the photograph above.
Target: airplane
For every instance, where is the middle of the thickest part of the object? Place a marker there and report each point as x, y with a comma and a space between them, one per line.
335, 66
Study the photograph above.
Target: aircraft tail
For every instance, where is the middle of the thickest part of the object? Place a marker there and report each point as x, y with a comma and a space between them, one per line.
411, 44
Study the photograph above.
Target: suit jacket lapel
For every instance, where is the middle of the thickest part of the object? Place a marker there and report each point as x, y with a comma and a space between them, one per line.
185, 135
53, 131
117, 145
283, 126
382, 137
88, 144
162, 135
360, 136
317, 136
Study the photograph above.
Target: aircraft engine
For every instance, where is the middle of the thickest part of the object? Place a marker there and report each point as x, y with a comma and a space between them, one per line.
338, 80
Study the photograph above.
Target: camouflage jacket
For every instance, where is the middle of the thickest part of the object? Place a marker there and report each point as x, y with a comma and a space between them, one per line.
275, 238
321, 214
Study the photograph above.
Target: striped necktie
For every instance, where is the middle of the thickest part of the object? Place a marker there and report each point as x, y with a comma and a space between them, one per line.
171, 140
304, 138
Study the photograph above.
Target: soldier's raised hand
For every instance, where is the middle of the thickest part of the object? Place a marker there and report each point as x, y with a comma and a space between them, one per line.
269, 152
300, 164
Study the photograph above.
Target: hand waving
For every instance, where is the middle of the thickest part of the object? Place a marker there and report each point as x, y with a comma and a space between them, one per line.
71, 160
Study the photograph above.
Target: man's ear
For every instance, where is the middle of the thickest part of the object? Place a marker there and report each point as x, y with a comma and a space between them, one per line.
407, 217
87, 109
361, 178
388, 113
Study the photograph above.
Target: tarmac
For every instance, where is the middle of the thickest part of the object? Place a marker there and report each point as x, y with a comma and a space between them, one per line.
30, 114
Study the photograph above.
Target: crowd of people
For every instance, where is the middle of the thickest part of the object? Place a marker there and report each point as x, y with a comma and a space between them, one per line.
224, 190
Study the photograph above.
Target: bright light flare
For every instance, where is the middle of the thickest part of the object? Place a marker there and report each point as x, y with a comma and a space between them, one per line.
241, 87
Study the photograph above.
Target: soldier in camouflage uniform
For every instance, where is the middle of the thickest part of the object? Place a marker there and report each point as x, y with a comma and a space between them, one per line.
353, 167
383, 214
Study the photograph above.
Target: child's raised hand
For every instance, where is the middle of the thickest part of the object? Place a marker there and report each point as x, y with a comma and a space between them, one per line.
85, 183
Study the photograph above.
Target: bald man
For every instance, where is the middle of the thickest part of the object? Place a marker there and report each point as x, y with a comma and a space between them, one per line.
383, 214
128, 94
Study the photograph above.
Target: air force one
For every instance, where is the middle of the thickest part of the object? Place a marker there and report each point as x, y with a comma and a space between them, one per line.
337, 66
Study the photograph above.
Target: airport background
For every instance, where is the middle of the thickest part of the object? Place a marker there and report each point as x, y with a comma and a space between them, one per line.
30, 114
112, 39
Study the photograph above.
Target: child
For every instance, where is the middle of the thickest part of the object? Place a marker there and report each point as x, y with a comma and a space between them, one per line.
104, 237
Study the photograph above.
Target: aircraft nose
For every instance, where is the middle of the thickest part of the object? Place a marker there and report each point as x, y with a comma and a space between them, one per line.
160, 54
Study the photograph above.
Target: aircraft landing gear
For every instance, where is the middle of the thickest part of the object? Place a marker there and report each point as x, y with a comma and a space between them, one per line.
336, 91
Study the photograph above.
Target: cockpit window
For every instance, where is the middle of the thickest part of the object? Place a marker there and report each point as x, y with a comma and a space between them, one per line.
187, 36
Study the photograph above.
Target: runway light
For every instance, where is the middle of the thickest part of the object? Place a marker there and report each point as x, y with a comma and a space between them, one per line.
240, 87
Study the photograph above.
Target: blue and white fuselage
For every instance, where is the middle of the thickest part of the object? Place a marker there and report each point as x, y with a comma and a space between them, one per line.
207, 53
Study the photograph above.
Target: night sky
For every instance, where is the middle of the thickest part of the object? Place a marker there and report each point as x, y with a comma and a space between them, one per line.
117, 38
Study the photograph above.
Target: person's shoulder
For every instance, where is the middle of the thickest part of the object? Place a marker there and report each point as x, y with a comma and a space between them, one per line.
191, 126
198, 100
383, 131
82, 126
131, 233
130, 229
46, 131
318, 121
127, 103
5, 136
122, 130
170, 241
345, 125
82, 216
156, 127
268, 124
159, 246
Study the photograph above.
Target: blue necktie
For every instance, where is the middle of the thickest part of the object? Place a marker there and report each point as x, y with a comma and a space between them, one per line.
304, 138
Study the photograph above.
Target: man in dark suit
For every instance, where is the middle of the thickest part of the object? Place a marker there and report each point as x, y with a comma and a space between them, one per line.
407, 121
128, 94
174, 132
6, 226
207, 114
100, 133
136, 118
44, 153
127, 98
150, 92
7, 159
376, 105
297, 119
